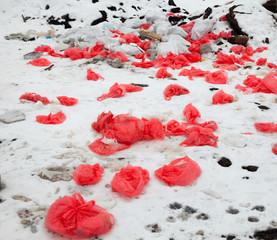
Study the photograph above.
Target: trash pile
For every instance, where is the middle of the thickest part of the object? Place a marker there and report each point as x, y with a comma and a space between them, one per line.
168, 41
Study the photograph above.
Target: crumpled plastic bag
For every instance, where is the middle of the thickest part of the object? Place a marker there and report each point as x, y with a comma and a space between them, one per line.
145, 26
174, 90
193, 72
129, 38
274, 149
201, 28
181, 172
221, 98
144, 64
86, 174
172, 60
191, 113
120, 55
34, 98
270, 82
193, 57
74, 218
269, 127
248, 51
172, 43
40, 62
104, 122
57, 118
101, 148
73, 53
67, 101
217, 77
91, 75
228, 59
237, 49
130, 181
163, 73
174, 128
44, 48
153, 129
199, 136
119, 90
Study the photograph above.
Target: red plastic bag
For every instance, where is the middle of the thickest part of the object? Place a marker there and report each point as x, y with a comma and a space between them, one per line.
227, 67
193, 72
129, 38
44, 48
174, 128
86, 174
153, 129
67, 101
34, 98
246, 58
73, 53
91, 75
120, 55
269, 127
181, 172
191, 113
104, 122
144, 64
74, 218
41, 62
274, 149
272, 65
221, 98
217, 77
225, 35
260, 49
57, 118
195, 47
193, 57
101, 148
228, 59
209, 124
261, 61
115, 91
126, 129
237, 49
141, 55
174, 90
54, 54
97, 48
199, 136
130, 181
163, 73
171, 60
223, 19
145, 26
131, 88
270, 82
187, 27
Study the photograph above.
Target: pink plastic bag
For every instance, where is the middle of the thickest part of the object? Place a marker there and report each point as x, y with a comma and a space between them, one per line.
218, 77
86, 174
174, 90
67, 101
269, 127
191, 113
41, 62
221, 98
163, 73
57, 118
181, 172
102, 148
91, 75
74, 218
193, 72
34, 98
130, 181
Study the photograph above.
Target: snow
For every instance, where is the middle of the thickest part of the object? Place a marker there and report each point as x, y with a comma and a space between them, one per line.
27, 147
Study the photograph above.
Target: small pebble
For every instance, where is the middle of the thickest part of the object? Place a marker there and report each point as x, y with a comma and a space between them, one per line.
175, 205
202, 216
253, 219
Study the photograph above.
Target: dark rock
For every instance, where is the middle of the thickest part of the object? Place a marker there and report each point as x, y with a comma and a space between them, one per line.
95, 1
25, 18
66, 19
207, 13
240, 40
245, 178
263, 107
175, 10
171, 3
2, 185
190, 210
116, 63
123, 19
214, 89
271, 6
175, 205
195, 17
140, 85
47, 7
19, 36
230, 237
266, 40
153, 228
134, 7
259, 208
101, 19
253, 219
250, 168
49, 68
270, 234
224, 162
112, 8
231, 18
232, 210
141, 17
202, 216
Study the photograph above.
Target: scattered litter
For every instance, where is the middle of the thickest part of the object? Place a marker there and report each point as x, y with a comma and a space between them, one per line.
55, 174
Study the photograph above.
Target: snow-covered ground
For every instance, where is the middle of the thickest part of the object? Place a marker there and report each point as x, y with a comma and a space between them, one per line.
229, 201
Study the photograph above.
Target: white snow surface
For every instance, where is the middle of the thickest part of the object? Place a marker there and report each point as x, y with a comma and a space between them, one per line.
26, 147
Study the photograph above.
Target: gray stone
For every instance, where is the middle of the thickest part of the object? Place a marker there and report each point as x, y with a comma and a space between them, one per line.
116, 63
205, 48
33, 55
19, 36
12, 117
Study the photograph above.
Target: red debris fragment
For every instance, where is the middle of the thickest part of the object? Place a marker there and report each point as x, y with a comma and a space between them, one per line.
40, 62
163, 73
129, 38
145, 26
91, 75
193, 72
171, 60
34, 98
191, 113
101, 148
237, 49
218, 77
174, 128
269, 127
130, 181
43, 48
274, 149
221, 98
67, 101
181, 172
261, 61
